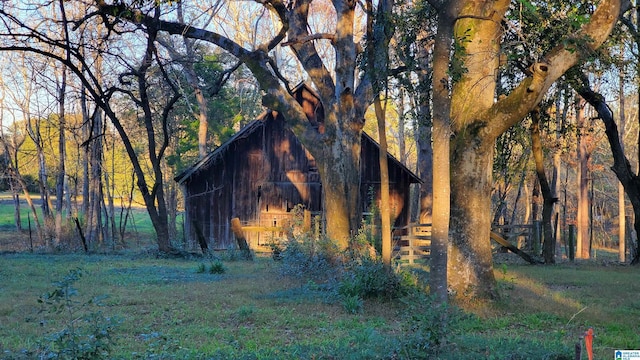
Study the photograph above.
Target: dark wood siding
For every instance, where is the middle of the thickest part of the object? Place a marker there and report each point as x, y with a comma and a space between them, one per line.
263, 172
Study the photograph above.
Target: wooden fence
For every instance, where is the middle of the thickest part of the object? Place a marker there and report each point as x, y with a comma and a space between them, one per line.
522, 236
412, 242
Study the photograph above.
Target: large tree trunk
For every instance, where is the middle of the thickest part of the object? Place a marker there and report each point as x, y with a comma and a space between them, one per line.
470, 269
470, 263
385, 210
378, 60
423, 139
478, 120
340, 172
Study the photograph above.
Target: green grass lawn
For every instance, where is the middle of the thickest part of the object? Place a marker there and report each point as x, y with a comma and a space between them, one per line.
171, 309
139, 231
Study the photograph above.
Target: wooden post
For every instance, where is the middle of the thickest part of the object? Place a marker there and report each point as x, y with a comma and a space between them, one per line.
411, 252
306, 222
317, 228
572, 241
202, 241
236, 227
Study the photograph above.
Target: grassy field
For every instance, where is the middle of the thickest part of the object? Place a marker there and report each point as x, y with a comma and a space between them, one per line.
139, 231
177, 309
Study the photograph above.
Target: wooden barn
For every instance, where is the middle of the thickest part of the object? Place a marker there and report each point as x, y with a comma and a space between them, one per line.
263, 172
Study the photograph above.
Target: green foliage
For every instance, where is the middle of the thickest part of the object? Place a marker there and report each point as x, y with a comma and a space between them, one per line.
456, 67
85, 334
429, 327
370, 278
227, 109
307, 257
353, 279
538, 26
352, 304
217, 267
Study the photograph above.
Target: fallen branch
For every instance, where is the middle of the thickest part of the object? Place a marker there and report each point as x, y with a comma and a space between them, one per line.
500, 240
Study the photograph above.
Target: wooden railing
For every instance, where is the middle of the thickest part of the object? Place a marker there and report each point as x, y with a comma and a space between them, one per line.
412, 242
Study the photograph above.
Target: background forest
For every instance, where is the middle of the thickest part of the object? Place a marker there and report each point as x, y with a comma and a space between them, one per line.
59, 147
514, 114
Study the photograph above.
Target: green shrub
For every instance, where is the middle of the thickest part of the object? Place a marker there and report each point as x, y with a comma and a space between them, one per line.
84, 335
352, 304
217, 267
370, 278
202, 268
310, 258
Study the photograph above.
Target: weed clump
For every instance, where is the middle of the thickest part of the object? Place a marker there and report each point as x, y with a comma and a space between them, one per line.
217, 267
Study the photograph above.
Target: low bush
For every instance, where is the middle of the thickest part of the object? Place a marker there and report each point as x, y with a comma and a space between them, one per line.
85, 333
353, 277
217, 267
370, 278
309, 258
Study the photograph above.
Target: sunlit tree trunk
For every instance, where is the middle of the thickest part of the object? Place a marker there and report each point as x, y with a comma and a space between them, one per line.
478, 119
402, 146
557, 164
60, 179
470, 262
378, 60
440, 245
583, 249
96, 195
622, 217
110, 230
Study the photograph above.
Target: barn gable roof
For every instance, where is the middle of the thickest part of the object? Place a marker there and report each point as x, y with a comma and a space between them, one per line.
414, 178
205, 162
213, 155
